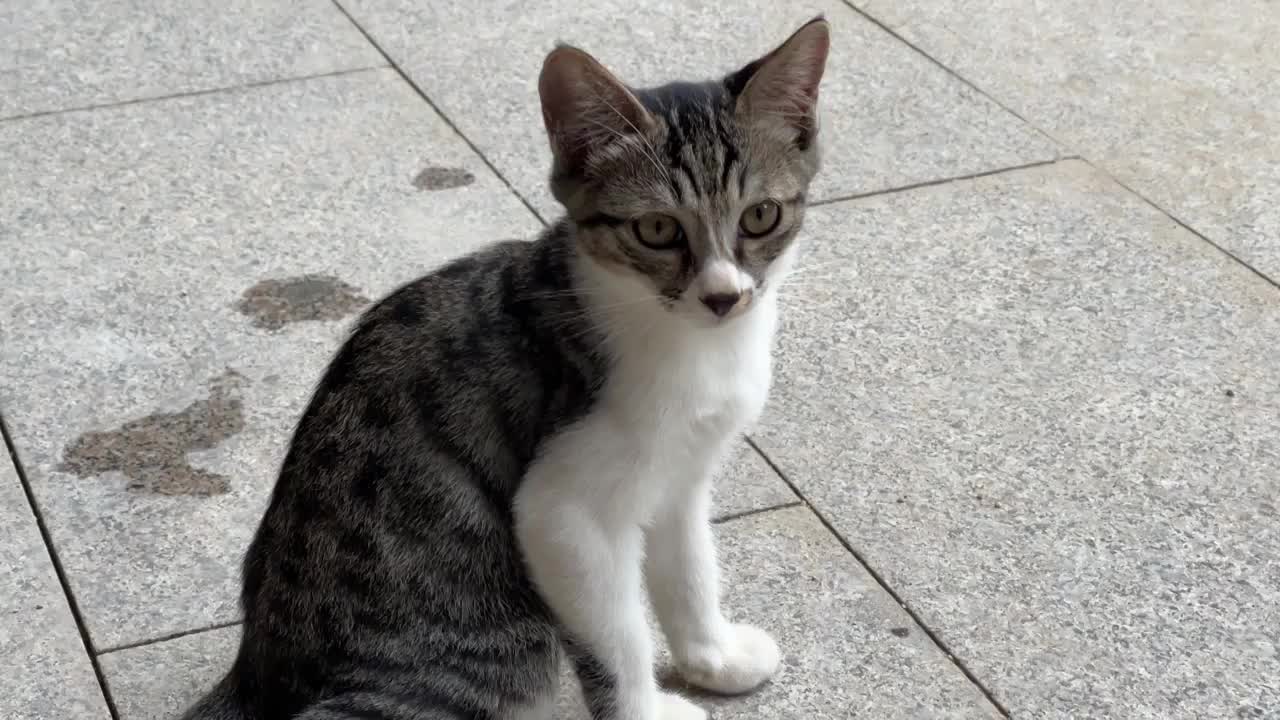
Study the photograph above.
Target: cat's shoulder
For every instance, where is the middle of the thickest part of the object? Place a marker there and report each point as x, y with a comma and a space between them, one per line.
434, 291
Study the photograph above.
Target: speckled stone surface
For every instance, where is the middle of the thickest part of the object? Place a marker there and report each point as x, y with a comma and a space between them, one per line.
46, 671
159, 681
891, 117
1044, 414
1178, 99
63, 54
1049, 417
747, 483
132, 237
850, 651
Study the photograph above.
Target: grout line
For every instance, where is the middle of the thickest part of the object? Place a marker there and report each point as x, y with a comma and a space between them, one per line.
943, 181
58, 569
915, 617
878, 23
1272, 281
170, 636
447, 120
920, 51
754, 511
192, 93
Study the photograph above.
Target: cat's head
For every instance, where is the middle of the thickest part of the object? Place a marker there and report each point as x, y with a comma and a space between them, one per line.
691, 193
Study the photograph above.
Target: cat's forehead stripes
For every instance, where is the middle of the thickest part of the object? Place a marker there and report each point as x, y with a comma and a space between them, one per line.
703, 145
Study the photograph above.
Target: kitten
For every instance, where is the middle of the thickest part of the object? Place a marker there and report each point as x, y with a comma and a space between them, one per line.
508, 451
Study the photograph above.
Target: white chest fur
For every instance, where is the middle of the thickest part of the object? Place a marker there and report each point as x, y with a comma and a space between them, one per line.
675, 399
687, 387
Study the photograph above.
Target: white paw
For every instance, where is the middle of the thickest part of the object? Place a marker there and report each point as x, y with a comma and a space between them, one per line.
742, 661
674, 707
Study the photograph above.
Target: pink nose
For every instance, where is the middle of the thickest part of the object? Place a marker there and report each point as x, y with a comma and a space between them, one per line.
721, 303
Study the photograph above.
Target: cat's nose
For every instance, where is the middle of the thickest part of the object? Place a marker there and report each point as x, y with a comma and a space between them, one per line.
721, 303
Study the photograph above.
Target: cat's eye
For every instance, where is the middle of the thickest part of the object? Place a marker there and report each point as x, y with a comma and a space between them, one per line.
658, 231
760, 219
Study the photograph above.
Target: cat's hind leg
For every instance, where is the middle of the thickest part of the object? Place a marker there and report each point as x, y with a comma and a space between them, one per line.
350, 706
418, 706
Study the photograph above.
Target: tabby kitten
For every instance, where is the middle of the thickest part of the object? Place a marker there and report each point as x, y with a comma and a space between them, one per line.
506, 452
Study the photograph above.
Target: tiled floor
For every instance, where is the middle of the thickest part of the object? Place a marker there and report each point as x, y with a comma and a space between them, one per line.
1028, 414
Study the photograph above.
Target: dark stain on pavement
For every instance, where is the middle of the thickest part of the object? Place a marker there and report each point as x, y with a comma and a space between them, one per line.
442, 178
274, 303
152, 451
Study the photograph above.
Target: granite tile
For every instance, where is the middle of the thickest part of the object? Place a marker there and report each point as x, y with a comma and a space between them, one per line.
192, 664
1048, 417
47, 671
891, 117
849, 650
1171, 97
63, 54
177, 274
747, 483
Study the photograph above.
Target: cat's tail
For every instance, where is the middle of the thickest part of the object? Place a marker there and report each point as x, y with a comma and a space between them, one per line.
221, 703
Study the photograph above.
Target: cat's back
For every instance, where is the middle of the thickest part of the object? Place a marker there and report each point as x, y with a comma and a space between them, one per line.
499, 329
453, 378
389, 530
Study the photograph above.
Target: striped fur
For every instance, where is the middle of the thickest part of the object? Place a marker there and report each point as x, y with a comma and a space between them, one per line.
493, 453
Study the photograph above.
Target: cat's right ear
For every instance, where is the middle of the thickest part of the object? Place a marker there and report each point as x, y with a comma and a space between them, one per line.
585, 107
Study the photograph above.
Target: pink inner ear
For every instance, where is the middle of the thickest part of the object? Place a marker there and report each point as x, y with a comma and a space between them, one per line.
787, 81
584, 106
560, 73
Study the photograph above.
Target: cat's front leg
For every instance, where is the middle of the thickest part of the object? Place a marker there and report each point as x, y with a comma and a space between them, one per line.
588, 570
683, 579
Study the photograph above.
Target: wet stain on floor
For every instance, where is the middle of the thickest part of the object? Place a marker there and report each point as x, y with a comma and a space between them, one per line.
274, 303
442, 178
152, 451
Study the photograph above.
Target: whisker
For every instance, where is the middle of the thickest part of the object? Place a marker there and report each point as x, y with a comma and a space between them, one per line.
649, 150
804, 269
603, 309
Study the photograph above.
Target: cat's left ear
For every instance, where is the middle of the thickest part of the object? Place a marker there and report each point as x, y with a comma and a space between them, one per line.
783, 85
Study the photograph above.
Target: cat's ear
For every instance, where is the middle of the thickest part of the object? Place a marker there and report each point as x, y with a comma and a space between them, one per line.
784, 83
585, 107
